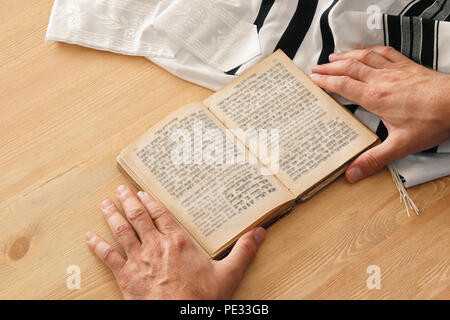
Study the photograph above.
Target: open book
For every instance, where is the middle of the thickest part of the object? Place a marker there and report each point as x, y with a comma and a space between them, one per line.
189, 160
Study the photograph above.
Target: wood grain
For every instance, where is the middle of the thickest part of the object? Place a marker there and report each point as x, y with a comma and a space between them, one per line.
67, 111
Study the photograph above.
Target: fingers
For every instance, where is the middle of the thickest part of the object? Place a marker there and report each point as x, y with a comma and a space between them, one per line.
345, 86
389, 53
136, 213
243, 253
348, 67
366, 56
162, 218
107, 254
120, 227
373, 161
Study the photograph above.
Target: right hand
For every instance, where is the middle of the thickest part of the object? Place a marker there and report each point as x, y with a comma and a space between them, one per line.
411, 100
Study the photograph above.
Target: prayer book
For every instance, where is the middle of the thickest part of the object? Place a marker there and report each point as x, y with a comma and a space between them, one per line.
246, 155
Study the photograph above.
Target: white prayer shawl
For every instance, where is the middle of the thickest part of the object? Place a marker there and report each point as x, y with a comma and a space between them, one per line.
210, 42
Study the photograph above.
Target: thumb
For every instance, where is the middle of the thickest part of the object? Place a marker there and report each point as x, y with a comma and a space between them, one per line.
372, 161
244, 251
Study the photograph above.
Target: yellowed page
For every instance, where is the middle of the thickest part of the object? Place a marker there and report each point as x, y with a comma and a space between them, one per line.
317, 135
214, 202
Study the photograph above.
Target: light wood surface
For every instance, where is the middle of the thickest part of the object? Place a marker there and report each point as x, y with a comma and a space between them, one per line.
67, 111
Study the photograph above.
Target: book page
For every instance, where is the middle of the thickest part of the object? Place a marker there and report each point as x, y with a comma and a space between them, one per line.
317, 135
214, 201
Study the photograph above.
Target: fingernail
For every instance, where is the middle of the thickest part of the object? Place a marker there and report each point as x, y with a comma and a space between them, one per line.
259, 235
122, 189
89, 236
141, 195
107, 204
355, 174
333, 55
315, 75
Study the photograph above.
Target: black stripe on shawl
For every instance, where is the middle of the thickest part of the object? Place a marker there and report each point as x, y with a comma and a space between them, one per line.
328, 44
394, 32
428, 45
436, 46
352, 107
382, 131
417, 9
298, 27
411, 35
442, 6
432, 150
406, 7
264, 10
444, 13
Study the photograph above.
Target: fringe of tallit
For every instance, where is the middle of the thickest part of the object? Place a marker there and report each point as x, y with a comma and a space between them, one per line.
404, 196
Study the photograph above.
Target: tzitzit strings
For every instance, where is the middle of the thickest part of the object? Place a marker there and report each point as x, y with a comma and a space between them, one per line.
404, 196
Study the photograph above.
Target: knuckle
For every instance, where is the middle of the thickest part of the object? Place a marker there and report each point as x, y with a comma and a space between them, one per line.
179, 241
348, 63
157, 212
366, 53
387, 50
107, 254
136, 213
372, 162
342, 81
146, 258
122, 229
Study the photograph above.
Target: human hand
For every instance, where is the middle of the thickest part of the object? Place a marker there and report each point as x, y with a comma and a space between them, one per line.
412, 101
162, 262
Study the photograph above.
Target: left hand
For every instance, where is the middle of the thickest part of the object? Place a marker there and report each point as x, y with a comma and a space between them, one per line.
411, 100
162, 262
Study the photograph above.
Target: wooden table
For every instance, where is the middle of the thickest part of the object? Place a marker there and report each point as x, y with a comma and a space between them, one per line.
67, 111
